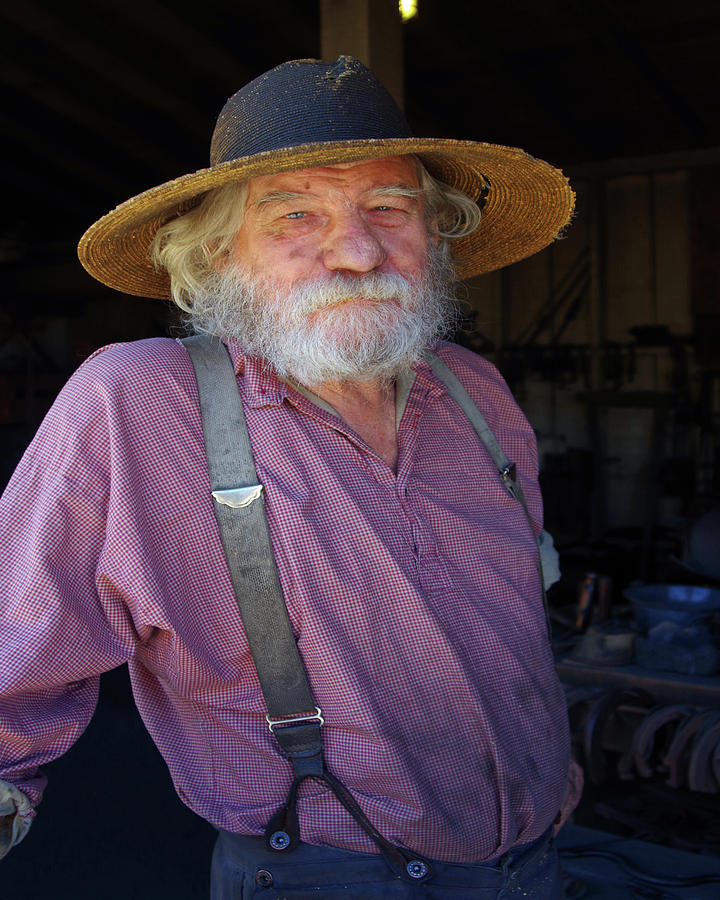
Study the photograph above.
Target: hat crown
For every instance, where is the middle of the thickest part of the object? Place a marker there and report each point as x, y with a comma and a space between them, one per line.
306, 101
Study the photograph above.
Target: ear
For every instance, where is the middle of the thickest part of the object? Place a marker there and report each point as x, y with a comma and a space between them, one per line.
220, 260
433, 231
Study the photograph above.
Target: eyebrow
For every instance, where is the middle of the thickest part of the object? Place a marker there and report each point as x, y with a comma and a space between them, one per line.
279, 197
398, 190
384, 190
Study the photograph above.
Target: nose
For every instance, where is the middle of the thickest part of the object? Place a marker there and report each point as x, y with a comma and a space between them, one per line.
351, 246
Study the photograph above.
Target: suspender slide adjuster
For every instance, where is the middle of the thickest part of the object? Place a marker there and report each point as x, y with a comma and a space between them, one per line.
280, 721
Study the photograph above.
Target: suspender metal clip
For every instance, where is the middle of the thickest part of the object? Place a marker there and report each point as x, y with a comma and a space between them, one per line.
508, 473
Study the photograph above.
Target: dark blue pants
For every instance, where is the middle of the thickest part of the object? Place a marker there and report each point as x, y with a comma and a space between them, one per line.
242, 868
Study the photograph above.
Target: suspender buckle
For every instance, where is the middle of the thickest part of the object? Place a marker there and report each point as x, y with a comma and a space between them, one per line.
280, 721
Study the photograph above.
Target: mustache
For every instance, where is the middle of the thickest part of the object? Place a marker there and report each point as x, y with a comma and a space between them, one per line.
315, 295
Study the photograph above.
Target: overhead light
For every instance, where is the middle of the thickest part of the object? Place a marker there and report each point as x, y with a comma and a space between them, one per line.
408, 9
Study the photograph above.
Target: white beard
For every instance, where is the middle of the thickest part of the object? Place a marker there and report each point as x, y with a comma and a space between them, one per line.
344, 328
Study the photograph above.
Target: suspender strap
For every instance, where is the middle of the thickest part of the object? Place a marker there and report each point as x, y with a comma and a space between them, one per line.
507, 470
293, 718
240, 512
282, 832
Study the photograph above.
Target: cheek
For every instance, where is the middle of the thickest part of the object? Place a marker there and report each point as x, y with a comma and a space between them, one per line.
296, 253
409, 251
284, 252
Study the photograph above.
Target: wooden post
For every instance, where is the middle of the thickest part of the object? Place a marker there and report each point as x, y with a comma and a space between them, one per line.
597, 315
371, 30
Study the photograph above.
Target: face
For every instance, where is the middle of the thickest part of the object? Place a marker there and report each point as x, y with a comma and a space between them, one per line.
333, 276
350, 219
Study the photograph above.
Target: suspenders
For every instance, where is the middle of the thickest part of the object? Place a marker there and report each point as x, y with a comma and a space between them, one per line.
292, 716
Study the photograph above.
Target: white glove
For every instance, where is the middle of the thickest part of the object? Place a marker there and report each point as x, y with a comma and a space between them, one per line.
16, 815
549, 559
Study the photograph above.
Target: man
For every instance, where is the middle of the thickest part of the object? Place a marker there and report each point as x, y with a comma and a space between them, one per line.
319, 247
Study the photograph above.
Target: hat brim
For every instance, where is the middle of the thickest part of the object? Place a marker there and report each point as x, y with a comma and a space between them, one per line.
529, 204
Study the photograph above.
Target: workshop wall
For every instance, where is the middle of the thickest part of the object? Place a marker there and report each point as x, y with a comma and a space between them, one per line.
595, 336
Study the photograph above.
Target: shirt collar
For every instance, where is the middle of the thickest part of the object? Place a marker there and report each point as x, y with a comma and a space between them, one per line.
260, 386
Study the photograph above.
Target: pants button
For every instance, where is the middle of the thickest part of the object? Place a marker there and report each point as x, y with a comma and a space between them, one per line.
263, 878
280, 840
416, 868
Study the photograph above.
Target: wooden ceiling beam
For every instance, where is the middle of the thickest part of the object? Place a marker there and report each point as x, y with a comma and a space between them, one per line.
643, 165
602, 22
18, 180
198, 50
123, 76
81, 168
290, 24
89, 117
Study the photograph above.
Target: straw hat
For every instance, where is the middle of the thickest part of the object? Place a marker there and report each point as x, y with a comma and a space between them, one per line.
309, 113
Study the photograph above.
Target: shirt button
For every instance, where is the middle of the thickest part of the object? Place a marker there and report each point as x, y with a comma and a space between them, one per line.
263, 878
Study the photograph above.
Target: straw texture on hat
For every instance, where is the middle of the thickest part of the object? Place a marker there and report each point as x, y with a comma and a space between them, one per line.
309, 113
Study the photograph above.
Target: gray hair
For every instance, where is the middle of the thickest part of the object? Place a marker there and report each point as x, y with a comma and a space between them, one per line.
190, 246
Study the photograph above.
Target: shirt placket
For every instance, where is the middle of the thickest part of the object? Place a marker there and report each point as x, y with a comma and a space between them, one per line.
369, 458
430, 569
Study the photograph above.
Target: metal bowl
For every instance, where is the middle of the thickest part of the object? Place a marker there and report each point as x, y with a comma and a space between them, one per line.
680, 603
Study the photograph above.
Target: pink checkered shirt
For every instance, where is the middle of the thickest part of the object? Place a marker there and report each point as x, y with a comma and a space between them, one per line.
414, 598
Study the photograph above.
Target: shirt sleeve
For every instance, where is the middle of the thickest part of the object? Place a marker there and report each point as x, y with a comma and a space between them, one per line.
60, 625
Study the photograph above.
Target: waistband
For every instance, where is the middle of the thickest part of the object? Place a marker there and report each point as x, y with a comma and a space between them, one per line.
252, 852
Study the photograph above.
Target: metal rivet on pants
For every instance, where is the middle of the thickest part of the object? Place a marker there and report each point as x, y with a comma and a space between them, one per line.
416, 868
280, 840
263, 878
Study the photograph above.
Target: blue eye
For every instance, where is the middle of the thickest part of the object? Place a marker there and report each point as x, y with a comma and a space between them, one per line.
295, 215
